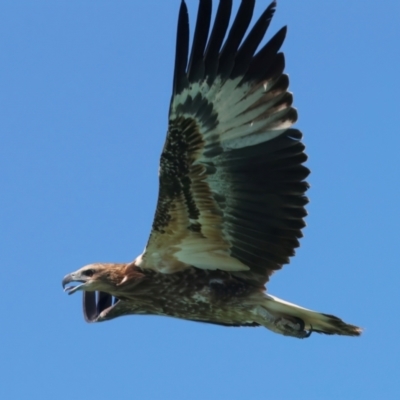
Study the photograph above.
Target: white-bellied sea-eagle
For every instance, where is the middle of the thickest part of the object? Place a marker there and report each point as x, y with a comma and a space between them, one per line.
231, 202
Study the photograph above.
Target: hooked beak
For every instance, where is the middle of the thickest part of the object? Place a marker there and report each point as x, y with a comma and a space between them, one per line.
72, 278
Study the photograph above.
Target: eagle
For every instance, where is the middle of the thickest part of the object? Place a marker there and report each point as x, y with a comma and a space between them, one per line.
232, 184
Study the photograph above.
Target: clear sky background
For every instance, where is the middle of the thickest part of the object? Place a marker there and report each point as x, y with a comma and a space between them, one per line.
84, 95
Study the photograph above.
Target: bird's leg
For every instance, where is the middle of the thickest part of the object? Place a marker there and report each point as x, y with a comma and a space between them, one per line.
288, 326
292, 327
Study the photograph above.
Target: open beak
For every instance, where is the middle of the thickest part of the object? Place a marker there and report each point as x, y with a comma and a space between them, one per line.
72, 278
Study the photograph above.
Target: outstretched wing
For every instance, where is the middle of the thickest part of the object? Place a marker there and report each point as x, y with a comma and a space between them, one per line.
231, 175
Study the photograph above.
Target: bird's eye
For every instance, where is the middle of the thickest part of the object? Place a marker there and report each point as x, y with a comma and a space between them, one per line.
88, 272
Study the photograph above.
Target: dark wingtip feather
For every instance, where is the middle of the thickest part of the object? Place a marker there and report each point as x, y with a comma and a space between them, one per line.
252, 41
94, 303
208, 59
263, 60
182, 49
235, 37
89, 306
196, 63
218, 33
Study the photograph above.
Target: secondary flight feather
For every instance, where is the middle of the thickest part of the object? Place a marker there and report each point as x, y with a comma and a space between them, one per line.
231, 201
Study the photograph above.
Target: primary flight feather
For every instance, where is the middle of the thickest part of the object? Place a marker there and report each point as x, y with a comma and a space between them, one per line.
231, 202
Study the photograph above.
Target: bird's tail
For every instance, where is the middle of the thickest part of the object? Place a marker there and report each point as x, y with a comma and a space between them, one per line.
290, 318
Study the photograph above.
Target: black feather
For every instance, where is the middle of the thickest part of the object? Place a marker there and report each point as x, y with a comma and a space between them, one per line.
265, 57
235, 37
252, 41
216, 38
196, 64
182, 49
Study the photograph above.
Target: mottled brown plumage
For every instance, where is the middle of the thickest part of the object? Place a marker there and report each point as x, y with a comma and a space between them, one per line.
216, 297
231, 203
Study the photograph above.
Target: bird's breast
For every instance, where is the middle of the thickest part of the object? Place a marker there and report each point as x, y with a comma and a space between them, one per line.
211, 296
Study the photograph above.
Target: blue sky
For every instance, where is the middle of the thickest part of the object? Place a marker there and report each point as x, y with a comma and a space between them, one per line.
84, 94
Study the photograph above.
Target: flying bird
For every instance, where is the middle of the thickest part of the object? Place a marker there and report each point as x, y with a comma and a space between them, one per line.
231, 202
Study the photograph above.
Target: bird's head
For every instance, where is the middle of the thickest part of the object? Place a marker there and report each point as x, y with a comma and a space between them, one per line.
103, 286
95, 277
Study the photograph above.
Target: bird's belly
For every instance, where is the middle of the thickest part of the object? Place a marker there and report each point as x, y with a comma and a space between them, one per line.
207, 296
205, 308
